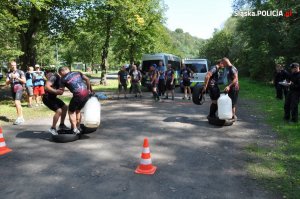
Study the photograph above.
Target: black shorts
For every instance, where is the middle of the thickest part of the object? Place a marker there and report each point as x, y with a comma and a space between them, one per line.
122, 85
169, 86
186, 82
77, 103
214, 92
233, 94
53, 103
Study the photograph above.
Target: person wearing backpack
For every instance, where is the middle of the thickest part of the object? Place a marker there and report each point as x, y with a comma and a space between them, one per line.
16, 79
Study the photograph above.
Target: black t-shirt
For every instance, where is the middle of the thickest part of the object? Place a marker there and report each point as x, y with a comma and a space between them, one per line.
185, 73
56, 84
231, 72
169, 74
75, 83
280, 76
295, 81
123, 76
213, 81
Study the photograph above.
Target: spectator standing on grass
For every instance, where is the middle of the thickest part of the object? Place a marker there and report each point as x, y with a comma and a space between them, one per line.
38, 84
135, 79
233, 84
79, 85
123, 81
292, 98
161, 69
29, 85
170, 86
16, 78
279, 76
186, 76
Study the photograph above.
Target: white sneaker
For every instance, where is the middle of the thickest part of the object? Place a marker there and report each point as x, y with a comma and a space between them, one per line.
19, 120
76, 131
53, 131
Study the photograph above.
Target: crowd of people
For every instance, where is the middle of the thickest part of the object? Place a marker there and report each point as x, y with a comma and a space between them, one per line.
44, 89
162, 81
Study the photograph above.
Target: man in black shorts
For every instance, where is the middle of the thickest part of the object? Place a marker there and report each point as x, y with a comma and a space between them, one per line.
186, 75
233, 84
80, 86
16, 79
170, 86
153, 74
123, 81
52, 89
211, 84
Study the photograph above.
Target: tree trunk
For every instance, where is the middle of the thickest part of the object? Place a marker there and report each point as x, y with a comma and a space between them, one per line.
105, 48
27, 38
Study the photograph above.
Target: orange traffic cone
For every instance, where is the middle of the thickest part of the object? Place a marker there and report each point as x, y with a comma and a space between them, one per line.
3, 148
146, 166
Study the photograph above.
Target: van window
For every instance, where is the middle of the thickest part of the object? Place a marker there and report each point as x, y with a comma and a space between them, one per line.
175, 65
148, 63
197, 68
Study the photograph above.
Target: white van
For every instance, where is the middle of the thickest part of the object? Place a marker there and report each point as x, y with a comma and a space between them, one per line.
199, 67
149, 59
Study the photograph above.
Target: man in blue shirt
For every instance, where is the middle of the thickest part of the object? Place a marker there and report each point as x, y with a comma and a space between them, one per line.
38, 84
29, 85
161, 79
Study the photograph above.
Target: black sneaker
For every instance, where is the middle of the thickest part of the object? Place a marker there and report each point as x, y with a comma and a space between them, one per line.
63, 127
166, 97
189, 98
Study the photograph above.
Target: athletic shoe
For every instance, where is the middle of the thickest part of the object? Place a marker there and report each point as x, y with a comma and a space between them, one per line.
166, 97
19, 121
184, 98
53, 131
76, 131
63, 127
29, 106
189, 98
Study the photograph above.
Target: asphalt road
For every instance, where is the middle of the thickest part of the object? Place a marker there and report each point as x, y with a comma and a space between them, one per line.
194, 159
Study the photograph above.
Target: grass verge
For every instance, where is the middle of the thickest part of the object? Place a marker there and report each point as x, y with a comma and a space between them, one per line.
8, 111
277, 168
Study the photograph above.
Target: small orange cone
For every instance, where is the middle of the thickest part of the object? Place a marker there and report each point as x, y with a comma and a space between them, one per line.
146, 166
3, 148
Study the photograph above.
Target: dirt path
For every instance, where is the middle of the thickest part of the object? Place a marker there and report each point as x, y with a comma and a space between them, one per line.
194, 159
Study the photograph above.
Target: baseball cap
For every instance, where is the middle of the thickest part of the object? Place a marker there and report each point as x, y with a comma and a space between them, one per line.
294, 65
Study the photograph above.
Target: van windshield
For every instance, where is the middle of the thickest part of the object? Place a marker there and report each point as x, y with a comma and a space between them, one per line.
146, 64
197, 68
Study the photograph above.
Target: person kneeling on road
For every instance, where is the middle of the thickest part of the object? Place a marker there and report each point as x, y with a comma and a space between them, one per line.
292, 98
211, 83
80, 86
52, 102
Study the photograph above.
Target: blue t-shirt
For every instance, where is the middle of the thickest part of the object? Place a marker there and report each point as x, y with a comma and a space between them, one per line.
161, 70
38, 78
29, 82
